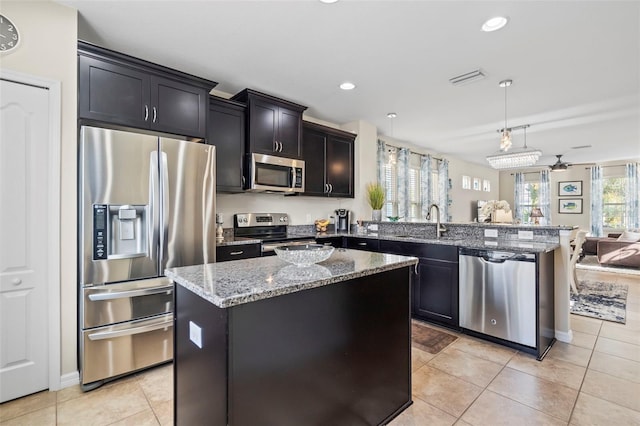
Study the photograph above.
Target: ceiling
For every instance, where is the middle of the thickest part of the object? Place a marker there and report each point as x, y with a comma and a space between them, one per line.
575, 66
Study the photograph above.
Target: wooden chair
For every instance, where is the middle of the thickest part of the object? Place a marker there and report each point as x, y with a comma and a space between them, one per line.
577, 243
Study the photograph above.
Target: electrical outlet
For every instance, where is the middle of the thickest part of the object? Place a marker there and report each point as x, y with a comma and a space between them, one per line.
491, 243
491, 233
525, 235
195, 334
373, 227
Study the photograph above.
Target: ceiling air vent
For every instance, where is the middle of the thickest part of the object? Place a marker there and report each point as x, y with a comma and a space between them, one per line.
467, 77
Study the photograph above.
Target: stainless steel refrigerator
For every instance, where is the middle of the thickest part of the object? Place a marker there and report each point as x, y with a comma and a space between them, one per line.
145, 203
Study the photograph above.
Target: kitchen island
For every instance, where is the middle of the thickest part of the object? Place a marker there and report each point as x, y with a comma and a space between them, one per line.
259, 341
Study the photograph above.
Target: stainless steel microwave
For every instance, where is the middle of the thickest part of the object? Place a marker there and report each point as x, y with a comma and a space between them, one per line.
275, 174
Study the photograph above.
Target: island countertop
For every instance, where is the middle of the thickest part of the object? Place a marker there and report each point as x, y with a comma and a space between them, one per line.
227, 284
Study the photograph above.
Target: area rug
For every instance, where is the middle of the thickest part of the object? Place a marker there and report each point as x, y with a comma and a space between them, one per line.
602, 300
590, 263
429, 339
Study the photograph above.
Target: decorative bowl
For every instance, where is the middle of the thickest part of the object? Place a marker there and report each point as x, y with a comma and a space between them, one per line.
304, 255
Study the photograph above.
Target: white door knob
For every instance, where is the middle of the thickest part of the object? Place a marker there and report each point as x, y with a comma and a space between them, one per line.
16, 281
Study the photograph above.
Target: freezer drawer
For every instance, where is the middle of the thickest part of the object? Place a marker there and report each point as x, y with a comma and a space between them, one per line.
127, 347
114, 303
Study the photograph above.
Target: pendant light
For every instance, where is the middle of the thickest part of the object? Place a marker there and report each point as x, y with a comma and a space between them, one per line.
519, 157
505, 138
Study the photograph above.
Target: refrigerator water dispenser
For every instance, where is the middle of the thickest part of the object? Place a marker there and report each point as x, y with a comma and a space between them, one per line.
120, 231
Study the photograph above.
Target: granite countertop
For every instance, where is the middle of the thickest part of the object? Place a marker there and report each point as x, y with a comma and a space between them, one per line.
227, 284
503, 244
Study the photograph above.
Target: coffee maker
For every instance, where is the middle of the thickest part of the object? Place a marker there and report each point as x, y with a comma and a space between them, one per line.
343, 220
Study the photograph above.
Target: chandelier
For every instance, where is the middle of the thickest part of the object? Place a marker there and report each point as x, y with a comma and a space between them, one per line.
522, 157
519, 157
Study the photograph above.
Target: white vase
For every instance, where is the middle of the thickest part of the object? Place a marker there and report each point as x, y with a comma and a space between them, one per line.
376, 215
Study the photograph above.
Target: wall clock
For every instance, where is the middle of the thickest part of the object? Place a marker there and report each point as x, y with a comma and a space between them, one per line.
9, 37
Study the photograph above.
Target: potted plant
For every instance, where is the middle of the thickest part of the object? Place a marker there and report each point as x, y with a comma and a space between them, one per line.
375, 197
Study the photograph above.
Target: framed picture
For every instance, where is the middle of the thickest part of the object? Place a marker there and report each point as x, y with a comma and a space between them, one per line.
570, 205
476, 184
570, 188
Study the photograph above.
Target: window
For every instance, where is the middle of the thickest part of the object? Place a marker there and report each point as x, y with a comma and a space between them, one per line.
614, 203
530, 197
415, 200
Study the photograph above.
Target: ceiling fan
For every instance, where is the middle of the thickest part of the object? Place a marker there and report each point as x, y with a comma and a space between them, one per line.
559, 166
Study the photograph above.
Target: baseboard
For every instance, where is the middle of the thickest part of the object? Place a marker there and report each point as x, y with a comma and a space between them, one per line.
564, 336
69, 379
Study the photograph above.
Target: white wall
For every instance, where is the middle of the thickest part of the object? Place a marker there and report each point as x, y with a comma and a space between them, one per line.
48, 49
464, 205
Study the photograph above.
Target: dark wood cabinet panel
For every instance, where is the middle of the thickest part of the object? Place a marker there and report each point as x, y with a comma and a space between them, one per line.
113, 93
369, 244
435, 291
336, 242
226, 130
119, 89
237, 251
274, 125
329, 161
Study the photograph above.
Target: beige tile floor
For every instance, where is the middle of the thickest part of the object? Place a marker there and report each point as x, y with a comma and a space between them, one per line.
595, 380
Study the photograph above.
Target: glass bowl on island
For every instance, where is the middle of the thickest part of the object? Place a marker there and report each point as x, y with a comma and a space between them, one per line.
304, 255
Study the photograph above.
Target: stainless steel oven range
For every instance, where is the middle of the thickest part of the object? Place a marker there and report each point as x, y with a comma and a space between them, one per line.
145, 203
270, 228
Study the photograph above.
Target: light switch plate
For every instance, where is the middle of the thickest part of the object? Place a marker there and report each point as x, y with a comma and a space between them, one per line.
195, 334
525, 235
373, 227
491, 243
491, 233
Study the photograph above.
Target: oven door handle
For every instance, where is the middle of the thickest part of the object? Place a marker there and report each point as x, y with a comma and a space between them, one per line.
104, 335
130, 293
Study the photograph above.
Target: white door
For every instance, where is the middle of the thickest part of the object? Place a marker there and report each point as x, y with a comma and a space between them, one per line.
24, 151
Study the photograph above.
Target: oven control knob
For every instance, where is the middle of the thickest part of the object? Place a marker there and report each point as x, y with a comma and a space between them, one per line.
283, 219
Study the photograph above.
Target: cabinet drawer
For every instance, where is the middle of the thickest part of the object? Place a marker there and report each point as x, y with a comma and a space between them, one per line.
330, 241
424, 250
370, 244
235, 252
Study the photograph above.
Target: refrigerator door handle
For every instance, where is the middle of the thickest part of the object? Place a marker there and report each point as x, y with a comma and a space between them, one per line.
103, 335
130, 293
209, 205
164, 214
154, 194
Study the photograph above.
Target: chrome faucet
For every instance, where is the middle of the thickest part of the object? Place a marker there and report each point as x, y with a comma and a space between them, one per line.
439, 227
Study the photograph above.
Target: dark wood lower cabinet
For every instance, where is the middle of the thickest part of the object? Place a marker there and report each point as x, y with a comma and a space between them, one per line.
238, 251
435, 292
334, 355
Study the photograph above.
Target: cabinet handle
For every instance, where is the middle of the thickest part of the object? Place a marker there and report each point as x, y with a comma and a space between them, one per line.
146, 112
415, 269
236, 253
362, 244
280, 149
155, 114
330, 188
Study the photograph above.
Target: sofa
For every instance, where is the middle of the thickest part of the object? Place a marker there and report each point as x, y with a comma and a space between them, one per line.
615, 249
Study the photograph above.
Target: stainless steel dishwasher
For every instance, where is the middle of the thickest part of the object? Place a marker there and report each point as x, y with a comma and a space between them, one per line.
498, 295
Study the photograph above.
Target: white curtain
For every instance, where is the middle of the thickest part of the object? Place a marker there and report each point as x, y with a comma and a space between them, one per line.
633, 194
403, 182
596, 201
518, 196
545, 197
443, 189
425, 184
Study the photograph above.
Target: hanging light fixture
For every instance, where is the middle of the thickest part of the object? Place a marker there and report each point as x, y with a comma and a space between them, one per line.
505, 138
520, 157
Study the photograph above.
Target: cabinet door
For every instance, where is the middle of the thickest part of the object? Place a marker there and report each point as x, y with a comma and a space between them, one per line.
313, 154
178, 108
289, 129
435, 292
263, 118
339, 166
113, 93
330, 241
226, 132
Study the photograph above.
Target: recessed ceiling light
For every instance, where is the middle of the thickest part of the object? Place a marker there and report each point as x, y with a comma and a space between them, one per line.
392, 115
328, 1
494, 24
347, 86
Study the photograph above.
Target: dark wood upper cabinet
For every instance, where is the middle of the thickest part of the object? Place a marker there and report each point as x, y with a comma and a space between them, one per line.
119, 89
329, 161
274, 125
226, 130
